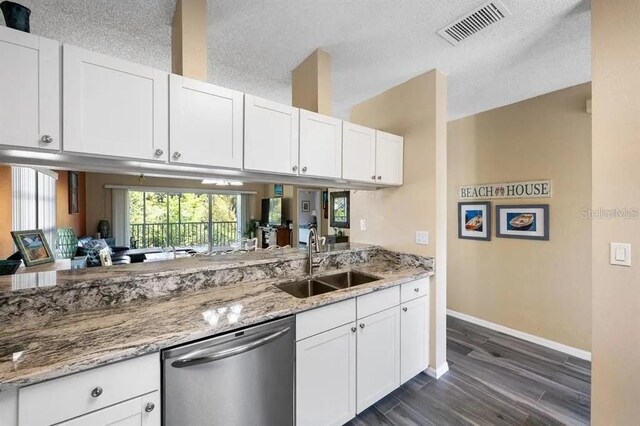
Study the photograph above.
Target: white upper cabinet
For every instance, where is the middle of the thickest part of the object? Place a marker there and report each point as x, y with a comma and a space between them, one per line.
389, 158
358, 153
414, 338
29, 91
113, 107
320, 145
270, 136
206, 124
378, 357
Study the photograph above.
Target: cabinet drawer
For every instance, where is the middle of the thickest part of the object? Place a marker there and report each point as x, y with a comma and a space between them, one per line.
62, 399
325, 318
414, 289
378, 301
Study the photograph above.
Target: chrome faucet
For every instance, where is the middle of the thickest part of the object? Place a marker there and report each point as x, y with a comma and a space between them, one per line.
313, 243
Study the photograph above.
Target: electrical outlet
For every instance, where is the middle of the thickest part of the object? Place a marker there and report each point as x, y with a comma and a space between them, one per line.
363, 224
422, 237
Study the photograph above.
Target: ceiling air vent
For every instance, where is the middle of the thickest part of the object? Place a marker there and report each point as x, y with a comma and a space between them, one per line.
474, 21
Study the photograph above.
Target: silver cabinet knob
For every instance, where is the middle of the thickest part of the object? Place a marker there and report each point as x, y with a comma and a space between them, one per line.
362, 325
405, 309
294, 168
373, 177
379, 177
353, 329
304, 169
96, 392
149, 407
417, 290
177, 155
159, 152
46, 139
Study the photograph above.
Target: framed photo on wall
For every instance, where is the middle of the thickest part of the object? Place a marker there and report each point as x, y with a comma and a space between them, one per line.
306, 205
33, 247
278, 190
474, 221
527, 221
74, 203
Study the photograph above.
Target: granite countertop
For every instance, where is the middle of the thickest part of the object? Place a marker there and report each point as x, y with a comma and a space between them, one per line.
34, 348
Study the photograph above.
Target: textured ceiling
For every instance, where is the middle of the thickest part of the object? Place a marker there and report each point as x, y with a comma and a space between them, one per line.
375, 44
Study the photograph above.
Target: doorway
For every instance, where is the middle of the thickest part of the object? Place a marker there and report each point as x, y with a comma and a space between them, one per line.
309, 209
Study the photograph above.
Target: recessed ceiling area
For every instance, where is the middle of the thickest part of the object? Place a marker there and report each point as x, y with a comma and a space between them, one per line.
375, 44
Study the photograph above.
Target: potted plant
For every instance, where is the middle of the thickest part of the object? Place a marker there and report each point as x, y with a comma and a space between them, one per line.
251, 228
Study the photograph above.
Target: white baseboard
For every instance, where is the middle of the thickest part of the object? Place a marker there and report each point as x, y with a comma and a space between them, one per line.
578, 353
436, 373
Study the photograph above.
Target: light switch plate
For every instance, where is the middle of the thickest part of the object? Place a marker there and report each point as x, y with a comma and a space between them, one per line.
620, 254
422, 237
363, 224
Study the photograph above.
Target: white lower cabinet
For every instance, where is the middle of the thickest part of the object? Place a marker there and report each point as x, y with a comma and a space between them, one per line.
141, 411
326, 377
378, 371
124, 393
351, 354
414, 338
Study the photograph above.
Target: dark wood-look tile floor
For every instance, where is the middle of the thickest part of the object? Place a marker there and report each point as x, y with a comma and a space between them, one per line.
493, 379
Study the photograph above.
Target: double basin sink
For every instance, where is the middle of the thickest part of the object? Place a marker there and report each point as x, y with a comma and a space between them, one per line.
325, 284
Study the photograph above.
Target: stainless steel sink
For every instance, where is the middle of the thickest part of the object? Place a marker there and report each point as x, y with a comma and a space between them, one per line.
325, 284
346, 279
305, 288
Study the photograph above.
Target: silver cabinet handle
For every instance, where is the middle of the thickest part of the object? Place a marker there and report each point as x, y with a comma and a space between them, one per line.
379, 177
373, 177
362, 325
149, 407
159, 152
46, 139
417, 290
96, 392
304, 170
294, 168
405, 309
203, 356
177, 155
353, 329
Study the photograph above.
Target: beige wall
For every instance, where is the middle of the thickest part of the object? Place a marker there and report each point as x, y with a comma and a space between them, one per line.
616, 184
417, 110
99, 198
6, 242
311, 86
541, 288
189, 39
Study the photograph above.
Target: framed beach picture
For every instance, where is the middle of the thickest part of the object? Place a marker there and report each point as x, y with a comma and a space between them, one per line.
474, 221
528, 221
33, 247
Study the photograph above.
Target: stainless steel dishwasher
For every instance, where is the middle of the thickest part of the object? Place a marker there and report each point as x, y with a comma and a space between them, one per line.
243, 378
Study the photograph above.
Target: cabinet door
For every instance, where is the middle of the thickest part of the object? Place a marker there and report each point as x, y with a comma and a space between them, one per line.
206, 124
29, 91
358, 153
141, 411
414, 338
389, 158
326, 377
270, 136
113, 107
378, 356
320, 145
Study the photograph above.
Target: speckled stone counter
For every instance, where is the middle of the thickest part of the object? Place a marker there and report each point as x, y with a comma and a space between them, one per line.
91, 318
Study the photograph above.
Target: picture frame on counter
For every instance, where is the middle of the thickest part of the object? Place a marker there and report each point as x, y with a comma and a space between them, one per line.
474, 221
526, 221
33, 247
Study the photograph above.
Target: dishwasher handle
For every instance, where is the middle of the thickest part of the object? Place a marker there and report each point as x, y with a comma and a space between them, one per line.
204, 356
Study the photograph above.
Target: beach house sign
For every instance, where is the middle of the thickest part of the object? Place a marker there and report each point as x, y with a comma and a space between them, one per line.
529, 189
